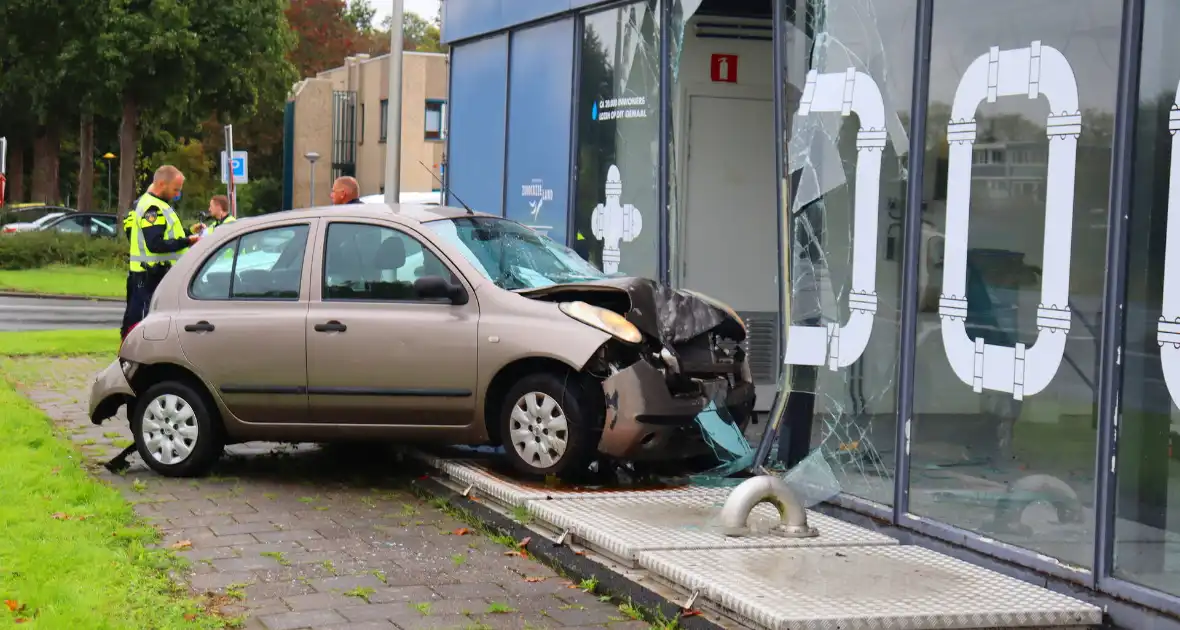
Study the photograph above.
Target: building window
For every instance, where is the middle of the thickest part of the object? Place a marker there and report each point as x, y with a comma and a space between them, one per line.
1006, 400
436, 119
1146, 526
383, 124
617, 153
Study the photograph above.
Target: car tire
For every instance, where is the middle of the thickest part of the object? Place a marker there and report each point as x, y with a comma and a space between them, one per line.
175, 431
545, 408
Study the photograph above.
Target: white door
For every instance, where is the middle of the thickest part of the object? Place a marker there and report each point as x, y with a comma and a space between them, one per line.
728, 233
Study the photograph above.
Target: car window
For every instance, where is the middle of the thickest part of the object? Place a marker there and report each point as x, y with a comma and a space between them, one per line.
267, 264
371, 262
102, 226
70, 225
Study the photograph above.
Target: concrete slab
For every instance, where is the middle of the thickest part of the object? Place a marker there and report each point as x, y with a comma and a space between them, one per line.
863, 588
623, 527
512, 493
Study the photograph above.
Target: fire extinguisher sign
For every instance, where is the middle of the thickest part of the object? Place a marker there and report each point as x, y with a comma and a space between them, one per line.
724, 68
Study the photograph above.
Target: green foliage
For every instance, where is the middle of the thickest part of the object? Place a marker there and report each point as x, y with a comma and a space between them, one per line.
34, 250
201, 174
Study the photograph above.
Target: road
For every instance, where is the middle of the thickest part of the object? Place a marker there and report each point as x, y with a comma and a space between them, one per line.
49, 314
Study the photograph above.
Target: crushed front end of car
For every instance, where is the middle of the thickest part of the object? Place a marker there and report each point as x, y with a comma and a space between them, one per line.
691, 353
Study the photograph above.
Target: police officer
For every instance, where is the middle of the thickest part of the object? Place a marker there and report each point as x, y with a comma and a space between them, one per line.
157, 240
219, 211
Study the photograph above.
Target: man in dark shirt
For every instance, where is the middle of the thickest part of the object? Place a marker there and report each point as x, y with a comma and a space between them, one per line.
345, 190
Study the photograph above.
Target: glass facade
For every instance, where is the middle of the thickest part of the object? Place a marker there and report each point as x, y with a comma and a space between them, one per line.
1018, 132
958, 258
1147, 538
616, 206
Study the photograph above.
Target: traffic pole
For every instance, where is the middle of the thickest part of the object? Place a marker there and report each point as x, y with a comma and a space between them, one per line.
393, 140
230, 190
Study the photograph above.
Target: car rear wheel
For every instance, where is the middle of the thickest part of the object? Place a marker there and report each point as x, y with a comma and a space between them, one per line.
547, 427
175, 431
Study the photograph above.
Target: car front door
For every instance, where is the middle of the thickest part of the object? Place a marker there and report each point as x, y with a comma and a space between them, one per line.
241, 322
376, 352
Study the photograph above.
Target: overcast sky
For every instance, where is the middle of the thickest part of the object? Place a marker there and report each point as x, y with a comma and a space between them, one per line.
426, 8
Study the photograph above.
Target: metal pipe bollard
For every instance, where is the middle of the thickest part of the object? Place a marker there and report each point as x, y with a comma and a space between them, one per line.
765, 489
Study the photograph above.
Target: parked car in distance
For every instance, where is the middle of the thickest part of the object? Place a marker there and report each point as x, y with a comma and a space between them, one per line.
416, 324
86, 223
32, 225
21, 215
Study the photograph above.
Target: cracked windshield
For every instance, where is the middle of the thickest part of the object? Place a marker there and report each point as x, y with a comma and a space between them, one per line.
513, 256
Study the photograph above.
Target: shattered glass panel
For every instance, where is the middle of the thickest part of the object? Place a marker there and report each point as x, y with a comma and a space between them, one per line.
616, 219
812, 480
847, 97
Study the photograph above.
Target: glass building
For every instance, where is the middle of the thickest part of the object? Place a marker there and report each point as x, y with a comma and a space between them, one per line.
948, 224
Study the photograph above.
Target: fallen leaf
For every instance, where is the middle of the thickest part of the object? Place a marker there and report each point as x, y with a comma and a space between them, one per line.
579, 553
524, 542
690, 613
424, 477
462, 531
518, 554
534, 580
20, 620
12, 605
61, 516
190, 616
183, 544
56, 469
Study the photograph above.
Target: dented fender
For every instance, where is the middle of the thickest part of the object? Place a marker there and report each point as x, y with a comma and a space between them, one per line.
645, 421
110, 391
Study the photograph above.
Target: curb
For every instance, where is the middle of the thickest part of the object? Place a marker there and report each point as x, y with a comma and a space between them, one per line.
570, 563
47, 296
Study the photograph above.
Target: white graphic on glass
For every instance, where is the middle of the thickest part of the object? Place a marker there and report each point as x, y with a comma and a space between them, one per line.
614, 221
840, 346
1030, 72
1169, 325
723, 68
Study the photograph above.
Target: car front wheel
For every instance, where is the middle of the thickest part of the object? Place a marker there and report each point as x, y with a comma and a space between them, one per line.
547, 427
175, 431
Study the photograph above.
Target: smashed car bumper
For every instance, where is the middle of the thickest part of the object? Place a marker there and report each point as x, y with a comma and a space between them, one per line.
644, 421
109, 391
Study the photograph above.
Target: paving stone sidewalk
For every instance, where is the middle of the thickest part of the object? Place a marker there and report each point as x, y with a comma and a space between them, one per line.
309, 537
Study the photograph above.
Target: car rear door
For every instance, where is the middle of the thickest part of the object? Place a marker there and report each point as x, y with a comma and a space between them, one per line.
241, 322
376, 353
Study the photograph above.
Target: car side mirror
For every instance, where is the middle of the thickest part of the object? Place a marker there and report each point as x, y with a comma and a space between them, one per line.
437, 288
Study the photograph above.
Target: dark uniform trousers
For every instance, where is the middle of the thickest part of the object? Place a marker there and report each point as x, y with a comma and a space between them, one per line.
141, 286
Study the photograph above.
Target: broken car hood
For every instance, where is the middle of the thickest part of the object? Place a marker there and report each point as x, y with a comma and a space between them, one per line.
670, 315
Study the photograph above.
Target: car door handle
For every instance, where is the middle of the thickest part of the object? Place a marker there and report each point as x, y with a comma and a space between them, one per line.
332, 326
201, 326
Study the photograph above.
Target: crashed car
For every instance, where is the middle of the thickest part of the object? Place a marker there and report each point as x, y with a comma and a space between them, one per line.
418, 324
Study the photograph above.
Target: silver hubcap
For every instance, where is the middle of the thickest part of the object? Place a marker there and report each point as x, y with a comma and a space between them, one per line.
539, 429
169, 429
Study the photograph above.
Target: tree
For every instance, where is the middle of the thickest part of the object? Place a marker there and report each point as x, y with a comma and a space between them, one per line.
418, 33
325, 35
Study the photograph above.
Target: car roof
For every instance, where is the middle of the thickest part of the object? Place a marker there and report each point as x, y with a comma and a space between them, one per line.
406, 213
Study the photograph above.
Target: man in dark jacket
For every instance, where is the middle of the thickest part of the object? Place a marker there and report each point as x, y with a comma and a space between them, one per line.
345, 190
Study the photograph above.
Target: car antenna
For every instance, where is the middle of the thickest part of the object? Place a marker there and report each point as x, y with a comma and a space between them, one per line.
445, 189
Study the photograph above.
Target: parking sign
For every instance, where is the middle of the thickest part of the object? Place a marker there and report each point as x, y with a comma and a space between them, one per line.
239, 163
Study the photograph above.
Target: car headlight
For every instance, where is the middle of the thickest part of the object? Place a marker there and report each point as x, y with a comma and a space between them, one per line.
603, 319
718, 304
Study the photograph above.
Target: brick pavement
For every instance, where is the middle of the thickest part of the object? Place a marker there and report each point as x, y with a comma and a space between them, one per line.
298, 536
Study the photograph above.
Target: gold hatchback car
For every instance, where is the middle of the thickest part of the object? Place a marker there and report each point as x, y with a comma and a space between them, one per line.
418, 324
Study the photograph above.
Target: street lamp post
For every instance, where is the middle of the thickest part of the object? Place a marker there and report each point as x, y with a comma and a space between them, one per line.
393, 142
108, 156
312, 157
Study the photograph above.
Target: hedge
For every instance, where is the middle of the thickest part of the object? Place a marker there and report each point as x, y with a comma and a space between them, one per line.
33, 250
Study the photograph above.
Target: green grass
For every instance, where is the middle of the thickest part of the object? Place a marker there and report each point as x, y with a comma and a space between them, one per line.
72, 553
58, 342
62, 280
